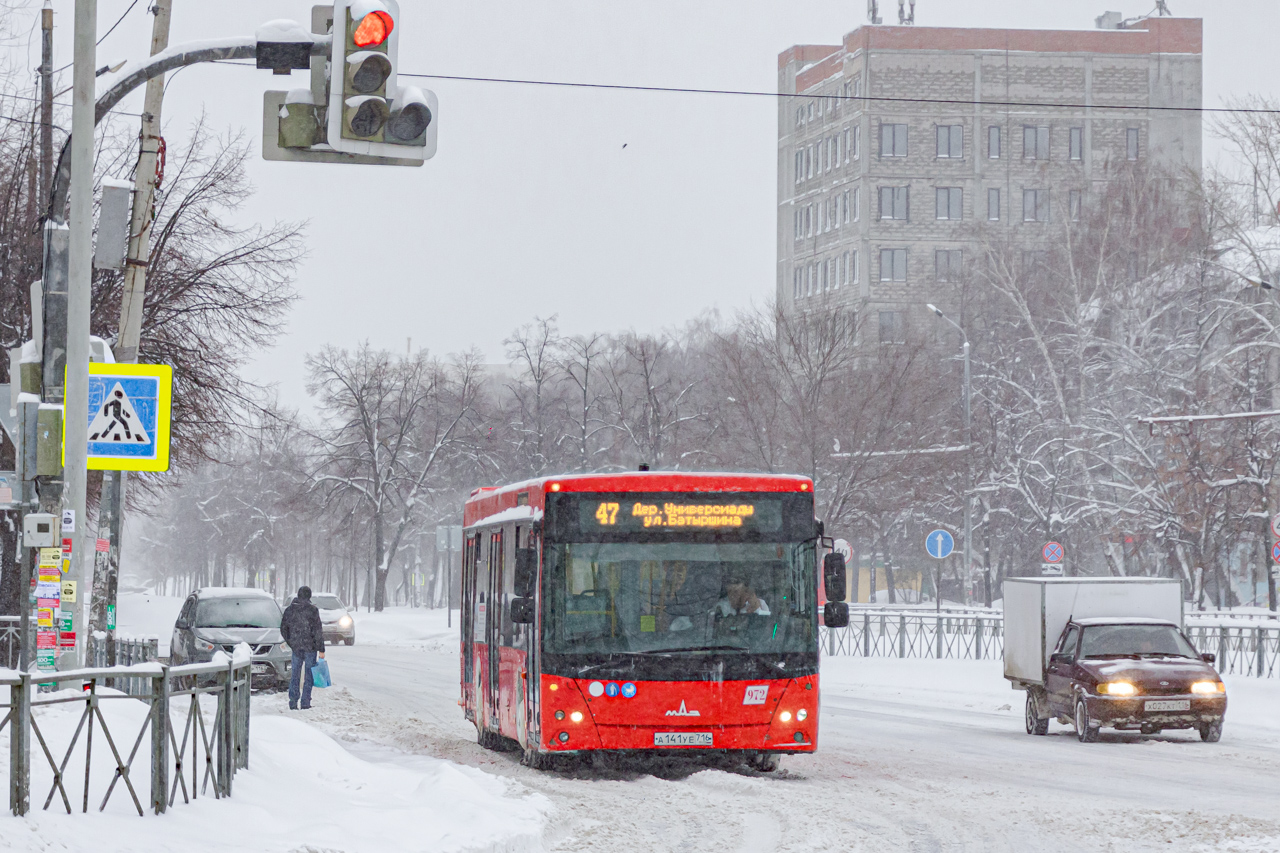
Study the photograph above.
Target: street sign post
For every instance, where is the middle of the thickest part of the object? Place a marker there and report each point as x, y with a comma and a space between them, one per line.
1052, 552
1275, 552
1051, 569
939, 544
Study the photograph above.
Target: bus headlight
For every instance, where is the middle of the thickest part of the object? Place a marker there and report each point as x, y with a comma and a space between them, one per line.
785, 716
802, 714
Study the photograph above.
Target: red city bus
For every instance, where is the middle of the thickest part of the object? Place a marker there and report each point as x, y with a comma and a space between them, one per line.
643, 611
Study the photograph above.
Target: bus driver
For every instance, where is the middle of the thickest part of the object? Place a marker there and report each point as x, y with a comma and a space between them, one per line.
740, 600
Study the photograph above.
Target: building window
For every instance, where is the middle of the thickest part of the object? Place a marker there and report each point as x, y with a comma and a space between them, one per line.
894, 202
950, 140
1076, 145
857, 141
840, 279
808, 162
797, 229
808, 220
822, 217
797, 276
811, 277
825, 284
950, 202
893, 264
891, 331
1075, 201
829, 146
799, 166
1035, 205
799, 116
839, 148
1035, 143
857, 203
993, 142
811, 111
1131, 144
993, 205
946, 265
853, 267
893, 140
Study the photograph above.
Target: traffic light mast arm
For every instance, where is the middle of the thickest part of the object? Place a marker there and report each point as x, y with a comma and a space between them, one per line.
177, 56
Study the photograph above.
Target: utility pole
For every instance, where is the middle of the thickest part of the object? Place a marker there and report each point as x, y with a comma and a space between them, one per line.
46, 100
80, 271
106, 568
968, 445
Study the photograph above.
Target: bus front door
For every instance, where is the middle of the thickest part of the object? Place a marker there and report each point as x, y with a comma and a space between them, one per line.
493, 630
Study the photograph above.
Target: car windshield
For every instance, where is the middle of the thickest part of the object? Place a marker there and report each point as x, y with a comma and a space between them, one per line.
255, 612
1124, 640
666, 597
327, 602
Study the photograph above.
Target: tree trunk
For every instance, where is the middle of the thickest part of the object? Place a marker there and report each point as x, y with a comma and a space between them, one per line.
889, 581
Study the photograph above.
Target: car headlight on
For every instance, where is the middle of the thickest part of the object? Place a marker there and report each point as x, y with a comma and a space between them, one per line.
1117, 688
344, 622
1208, 688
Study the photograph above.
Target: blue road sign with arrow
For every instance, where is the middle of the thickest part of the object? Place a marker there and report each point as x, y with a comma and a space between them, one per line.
939, 544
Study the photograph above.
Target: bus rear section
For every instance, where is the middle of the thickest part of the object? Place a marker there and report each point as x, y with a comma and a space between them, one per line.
643, 613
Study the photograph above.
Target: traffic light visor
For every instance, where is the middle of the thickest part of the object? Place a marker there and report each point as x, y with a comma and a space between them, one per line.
373, 23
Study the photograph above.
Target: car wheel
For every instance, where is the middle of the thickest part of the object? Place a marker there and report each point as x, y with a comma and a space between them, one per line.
1086, 732
1035, 725
350, 641
1211, 732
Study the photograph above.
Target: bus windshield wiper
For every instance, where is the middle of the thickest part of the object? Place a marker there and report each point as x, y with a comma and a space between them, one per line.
697, 649
593, 667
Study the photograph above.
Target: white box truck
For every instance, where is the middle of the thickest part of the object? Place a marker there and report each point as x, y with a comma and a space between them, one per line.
1108, 651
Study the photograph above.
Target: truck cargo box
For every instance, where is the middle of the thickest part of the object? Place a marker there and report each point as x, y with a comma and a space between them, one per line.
1037, 609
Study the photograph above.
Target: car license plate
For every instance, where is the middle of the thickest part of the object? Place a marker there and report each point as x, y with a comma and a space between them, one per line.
260, 668
682, 738
1168, 705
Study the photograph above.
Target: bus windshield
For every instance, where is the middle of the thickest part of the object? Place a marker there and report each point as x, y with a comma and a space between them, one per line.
670, 597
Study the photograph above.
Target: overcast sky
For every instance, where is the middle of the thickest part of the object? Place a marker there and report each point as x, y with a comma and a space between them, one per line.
532, 205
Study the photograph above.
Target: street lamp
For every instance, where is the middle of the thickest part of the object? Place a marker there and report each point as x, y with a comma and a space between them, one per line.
968, 445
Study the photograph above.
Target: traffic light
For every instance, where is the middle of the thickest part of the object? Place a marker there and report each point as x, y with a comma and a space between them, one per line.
355, 111
369, 112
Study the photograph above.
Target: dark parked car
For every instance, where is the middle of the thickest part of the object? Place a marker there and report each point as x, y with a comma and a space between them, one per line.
218, 618
1129, 674
339, 627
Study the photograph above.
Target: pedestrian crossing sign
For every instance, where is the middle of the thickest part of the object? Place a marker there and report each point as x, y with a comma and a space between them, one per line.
129, 407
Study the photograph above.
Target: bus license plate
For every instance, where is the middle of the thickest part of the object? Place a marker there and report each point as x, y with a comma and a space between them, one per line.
682, 738
1168, 705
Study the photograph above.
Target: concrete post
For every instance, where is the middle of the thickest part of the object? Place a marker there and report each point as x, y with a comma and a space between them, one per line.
160, 741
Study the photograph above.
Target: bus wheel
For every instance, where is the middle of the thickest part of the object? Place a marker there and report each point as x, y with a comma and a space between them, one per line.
764, 762
535, 760
488, 739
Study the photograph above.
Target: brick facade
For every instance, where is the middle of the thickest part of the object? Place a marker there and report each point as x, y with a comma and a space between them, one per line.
1053, 82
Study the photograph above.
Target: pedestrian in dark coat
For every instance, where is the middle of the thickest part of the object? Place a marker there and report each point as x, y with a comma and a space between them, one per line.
302, 630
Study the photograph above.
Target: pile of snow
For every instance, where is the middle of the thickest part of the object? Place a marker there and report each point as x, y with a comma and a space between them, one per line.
302, 791
142, 615
407, 626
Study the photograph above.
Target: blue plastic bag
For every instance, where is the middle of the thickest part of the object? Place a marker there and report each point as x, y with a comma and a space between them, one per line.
320, 674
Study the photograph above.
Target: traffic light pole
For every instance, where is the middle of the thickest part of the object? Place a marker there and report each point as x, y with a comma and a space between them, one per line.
106, 568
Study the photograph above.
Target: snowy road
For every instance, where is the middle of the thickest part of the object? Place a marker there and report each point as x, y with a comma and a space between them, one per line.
914, 755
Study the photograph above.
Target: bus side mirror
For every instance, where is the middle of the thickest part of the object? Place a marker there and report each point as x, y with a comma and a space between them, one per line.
522, 611
835, 614
833, 576
526, 577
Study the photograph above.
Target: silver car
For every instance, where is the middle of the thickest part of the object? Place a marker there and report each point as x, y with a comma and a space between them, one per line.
218, 618
338, 624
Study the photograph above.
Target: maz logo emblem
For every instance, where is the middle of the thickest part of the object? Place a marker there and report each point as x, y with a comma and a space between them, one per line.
683, 712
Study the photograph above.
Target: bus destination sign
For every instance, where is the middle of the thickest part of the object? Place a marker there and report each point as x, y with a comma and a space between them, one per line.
671, 514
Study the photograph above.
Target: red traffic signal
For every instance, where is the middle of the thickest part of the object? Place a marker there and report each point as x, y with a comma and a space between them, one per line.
375, 23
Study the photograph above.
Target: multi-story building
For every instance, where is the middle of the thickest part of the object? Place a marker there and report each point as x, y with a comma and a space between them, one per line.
900, 137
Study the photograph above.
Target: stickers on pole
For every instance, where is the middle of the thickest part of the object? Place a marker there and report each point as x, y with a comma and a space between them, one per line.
129, 410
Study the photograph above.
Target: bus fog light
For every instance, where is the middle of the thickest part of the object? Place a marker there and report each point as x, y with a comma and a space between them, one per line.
799, 737
563, 737
576, 716
559, 715
785, 716
802, 714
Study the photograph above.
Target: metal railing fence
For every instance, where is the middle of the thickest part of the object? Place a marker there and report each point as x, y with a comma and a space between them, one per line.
9, 646
218, 742
129, 652
1244, 649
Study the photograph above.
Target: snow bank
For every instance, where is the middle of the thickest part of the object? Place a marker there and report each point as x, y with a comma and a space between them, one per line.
143, 615
303, 791
416, 626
